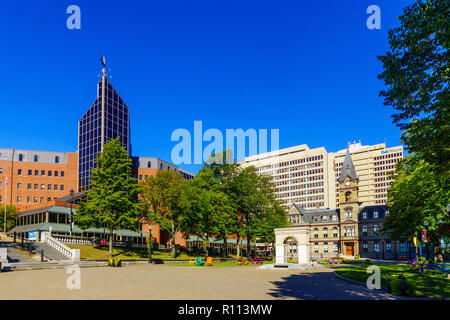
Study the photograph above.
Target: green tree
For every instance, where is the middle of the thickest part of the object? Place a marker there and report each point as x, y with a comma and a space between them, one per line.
257, 207
208, 211
163, 202
113, 199
418, 194
416, 75
11, 217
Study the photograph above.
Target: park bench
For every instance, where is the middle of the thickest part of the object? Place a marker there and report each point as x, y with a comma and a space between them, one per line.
444, 268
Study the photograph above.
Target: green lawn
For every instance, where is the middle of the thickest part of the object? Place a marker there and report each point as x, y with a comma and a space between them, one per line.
431, 283
91, 253
217, 264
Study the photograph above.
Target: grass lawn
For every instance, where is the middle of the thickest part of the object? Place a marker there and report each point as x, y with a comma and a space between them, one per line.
218, 264
431, 283
91, 253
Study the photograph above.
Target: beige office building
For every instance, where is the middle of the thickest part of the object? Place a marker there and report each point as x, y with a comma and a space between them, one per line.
302, 175
308, 177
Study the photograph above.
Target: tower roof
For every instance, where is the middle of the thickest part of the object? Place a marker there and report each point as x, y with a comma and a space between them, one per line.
348, 169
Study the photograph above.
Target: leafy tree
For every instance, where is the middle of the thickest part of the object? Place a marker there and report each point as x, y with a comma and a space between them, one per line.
11, 217
208, 211
418, 194
162, 197
113, 199
416, 73
257, 207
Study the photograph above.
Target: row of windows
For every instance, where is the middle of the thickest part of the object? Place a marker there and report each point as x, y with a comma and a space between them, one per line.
388, 156
35, 158
35, 199
43, 187
42, 173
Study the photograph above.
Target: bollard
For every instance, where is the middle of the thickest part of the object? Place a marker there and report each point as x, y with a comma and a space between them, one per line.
15, 236
0, 266
42, 255
21, 243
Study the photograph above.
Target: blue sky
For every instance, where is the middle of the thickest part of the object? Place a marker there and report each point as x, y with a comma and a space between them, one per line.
307, 68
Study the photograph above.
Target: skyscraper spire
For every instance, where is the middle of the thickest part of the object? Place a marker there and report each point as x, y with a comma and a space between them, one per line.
348, 169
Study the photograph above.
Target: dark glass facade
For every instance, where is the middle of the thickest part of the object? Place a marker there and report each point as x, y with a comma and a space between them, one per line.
106, 119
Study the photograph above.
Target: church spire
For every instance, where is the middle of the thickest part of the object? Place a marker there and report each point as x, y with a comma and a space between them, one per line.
348, 169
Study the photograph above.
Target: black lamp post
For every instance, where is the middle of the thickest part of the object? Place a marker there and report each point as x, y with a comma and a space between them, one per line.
150, 248
382, 249
70, 218
426, 223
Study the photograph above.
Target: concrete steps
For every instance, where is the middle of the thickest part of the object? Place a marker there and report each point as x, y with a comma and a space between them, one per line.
49, 252
18, 266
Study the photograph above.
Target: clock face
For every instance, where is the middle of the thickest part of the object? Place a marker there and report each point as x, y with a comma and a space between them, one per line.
347, 183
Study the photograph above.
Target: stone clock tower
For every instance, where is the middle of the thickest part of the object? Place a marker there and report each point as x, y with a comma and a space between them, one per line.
348, 207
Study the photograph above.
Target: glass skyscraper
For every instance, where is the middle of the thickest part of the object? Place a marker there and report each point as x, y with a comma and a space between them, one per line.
106, 119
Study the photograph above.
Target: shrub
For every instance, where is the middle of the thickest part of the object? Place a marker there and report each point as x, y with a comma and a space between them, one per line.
114, 262
367, 262
357, 257
400, 286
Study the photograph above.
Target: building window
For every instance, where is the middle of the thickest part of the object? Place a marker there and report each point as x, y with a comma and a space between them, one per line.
29, 186
335, 232
386, 212
36, 200
49, 173
49, 187
62, 173
42, 172
348, 213
335, 247
348, 196
140, 177
19, 186
376, 247
61, 187
375, 230
325, 233
20, 157
56, 173
36, 158
325, 247
30, 172
316, 233
36, 186
334, 217
55, 187
316, 247
364, 215
56, 159
36, 172
388, 246
42, 199
149, 164
403, 247
28, 199
365, 247
19, 199
375, 214
42, 186
19, 172
325, 218
364, 231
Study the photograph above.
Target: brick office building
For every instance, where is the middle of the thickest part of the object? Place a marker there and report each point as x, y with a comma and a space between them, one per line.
35, 177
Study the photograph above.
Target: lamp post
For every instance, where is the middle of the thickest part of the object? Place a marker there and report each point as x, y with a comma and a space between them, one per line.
149, 244
426, 223
382, 249
70, 218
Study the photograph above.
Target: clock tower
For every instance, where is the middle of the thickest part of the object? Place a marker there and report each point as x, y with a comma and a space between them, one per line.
348, 207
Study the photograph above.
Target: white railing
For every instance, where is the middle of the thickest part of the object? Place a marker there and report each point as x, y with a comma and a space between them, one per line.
72, 254
73, 240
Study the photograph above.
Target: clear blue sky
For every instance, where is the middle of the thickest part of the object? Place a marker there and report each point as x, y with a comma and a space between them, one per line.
308, 68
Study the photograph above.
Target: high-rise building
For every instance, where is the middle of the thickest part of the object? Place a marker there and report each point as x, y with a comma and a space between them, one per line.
309, 177
106, 119
35, 178
302, 175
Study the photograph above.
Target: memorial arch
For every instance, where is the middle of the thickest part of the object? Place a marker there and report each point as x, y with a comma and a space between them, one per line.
292, 245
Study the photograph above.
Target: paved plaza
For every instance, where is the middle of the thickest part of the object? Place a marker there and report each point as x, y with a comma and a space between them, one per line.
141, 281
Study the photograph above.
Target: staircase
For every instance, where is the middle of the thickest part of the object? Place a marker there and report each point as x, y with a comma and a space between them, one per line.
49, 252
31, 265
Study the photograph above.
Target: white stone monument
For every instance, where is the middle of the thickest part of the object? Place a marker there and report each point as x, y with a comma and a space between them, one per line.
301, 235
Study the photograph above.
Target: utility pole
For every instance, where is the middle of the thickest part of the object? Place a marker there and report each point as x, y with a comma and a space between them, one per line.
6, 197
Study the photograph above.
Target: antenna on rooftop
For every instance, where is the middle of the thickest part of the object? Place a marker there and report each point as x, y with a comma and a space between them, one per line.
105, 71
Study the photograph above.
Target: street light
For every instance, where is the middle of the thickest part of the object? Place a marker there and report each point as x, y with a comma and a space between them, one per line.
71, 201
